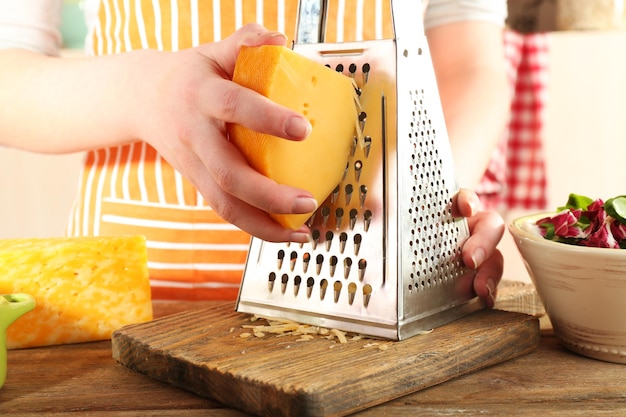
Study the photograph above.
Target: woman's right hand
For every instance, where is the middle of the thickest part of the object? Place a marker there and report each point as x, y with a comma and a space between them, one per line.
187, 100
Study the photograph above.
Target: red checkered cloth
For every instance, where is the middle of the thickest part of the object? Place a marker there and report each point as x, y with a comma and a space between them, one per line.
516, 175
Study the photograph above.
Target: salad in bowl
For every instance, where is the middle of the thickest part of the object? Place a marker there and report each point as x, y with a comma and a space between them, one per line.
572, 256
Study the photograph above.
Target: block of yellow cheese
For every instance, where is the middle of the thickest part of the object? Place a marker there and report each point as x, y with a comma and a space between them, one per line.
322, 95
84, 287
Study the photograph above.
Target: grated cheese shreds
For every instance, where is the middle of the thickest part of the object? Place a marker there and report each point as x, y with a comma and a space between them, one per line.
340, 335
305, 332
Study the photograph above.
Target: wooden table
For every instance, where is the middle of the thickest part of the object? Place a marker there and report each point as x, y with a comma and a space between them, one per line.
83, 379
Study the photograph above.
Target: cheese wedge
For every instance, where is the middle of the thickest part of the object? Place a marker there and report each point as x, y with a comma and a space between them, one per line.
325, 97
85, 288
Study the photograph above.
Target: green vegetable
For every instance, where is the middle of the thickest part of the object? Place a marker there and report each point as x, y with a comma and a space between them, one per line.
616, 208
576, 201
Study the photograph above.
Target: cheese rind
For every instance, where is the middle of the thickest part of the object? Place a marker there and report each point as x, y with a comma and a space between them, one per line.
85, 287
325, 97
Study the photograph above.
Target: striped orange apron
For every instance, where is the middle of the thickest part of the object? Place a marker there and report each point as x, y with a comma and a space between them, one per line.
192, 252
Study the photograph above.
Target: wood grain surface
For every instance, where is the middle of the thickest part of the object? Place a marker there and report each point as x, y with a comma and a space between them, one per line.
83, 380
202, 351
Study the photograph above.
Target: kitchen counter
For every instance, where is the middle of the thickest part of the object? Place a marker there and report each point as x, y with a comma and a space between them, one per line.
84, 379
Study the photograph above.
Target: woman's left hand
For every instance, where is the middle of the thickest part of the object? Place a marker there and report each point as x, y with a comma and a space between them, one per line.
479, 251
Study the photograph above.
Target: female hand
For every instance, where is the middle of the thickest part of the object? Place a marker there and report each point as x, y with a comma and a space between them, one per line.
192, 101
178, 102
479, 251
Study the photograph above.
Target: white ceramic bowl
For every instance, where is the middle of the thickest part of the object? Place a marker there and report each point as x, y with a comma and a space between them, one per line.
583, 290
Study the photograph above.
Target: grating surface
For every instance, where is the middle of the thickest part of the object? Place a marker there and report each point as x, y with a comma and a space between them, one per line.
385, 255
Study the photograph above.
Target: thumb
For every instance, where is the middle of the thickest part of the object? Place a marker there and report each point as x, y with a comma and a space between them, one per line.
224, 53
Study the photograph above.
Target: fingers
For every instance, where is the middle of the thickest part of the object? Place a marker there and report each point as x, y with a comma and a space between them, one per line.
486, 230
465, 203
488, 277
234, 104
480, 253
191, 134
247, 216
232, 174
225, 52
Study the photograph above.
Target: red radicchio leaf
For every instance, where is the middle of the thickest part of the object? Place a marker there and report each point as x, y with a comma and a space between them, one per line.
586, 226
564, 224
618, 230
601, 238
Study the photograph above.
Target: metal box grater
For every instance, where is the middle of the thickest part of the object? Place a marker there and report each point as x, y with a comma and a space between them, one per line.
385, 255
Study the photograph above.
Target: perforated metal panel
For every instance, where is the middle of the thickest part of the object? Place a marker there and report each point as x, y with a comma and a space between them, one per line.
385, 255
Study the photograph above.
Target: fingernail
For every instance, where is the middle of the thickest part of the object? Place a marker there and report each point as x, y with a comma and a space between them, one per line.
298, 127
272, 34
478, 257
300, 237
492, 292
474, 203
303, 205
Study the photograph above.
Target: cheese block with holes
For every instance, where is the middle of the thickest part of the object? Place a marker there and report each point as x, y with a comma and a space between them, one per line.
84, 287
325, 97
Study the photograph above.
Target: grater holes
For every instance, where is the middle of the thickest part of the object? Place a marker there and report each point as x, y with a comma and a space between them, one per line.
365, 69
425, 239
293, 257
367, 294
357, 243
353, 215
296, 285
362, 266
367, 144
322, 285
351, 292
355, 141
338, 217
329, 239
337, 290
306, 258
334, 195
280, 256
325, 215
323, 288
319, 260
284, 279
315, 238
362, 195
310, 282
343, 238
367, 219
332, 262
358, 166
347, 265
362, 119
270, 281
348, 190
345, 171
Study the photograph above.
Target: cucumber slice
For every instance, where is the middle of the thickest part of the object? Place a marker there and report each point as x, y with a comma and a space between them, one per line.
616, 208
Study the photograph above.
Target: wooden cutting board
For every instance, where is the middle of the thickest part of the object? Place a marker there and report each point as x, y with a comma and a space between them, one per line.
202, 351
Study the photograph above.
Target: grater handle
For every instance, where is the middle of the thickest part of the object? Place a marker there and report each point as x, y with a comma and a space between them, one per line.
311, 21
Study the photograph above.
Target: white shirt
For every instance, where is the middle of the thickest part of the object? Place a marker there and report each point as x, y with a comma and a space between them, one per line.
35, 24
